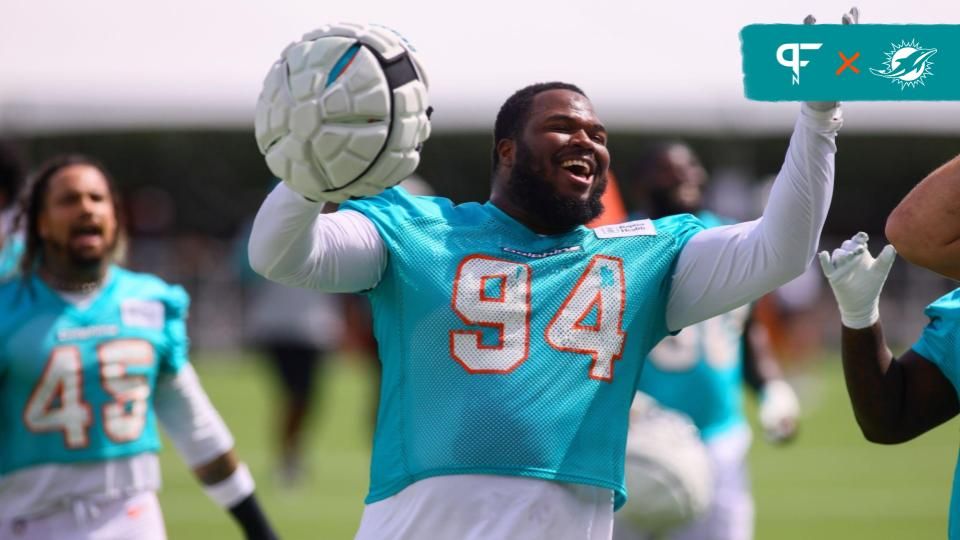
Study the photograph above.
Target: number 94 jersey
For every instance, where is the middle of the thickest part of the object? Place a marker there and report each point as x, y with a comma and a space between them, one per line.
506, 352
76, 383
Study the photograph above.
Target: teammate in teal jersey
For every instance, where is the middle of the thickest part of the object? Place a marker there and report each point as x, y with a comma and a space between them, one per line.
11, 249
701, 372
511, 336
897, 399
894, 399
11, 176
92, 356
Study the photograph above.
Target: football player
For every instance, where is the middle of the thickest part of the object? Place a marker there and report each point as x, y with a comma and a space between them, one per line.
92, 356
700, 372
11, 176
511, 336
894, 398
924, 227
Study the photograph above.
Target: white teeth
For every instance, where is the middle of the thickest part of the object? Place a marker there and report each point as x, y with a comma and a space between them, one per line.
575, 163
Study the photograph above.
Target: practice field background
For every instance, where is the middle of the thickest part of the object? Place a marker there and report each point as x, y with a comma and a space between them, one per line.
830, 484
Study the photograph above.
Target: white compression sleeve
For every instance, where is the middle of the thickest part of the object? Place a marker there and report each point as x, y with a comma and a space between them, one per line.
722, 268
188, 417
293, 243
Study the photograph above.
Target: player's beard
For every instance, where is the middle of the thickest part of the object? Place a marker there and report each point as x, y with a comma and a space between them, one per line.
538, 197
80, 261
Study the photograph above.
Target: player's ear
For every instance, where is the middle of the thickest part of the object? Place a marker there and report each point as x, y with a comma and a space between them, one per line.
506, 151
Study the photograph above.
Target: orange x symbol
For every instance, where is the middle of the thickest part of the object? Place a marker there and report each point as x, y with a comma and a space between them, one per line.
848, 62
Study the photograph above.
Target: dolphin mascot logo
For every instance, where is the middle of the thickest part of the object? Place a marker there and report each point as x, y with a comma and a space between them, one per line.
907, 64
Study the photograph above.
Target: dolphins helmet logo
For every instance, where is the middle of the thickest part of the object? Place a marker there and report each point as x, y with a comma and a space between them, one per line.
907, 64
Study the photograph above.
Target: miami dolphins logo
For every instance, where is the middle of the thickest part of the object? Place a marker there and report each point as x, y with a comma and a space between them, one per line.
907, 64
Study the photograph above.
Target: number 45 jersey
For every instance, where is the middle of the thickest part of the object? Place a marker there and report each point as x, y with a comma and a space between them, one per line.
76, 383
506, 352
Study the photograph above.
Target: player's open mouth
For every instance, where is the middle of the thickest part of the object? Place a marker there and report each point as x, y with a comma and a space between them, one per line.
86, 235
580, 169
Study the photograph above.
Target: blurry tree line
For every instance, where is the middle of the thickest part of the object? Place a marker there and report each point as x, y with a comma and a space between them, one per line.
217, 178
189, 196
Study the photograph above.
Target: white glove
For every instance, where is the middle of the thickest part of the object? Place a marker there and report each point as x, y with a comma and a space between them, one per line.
850, 17
779, 411
857, 279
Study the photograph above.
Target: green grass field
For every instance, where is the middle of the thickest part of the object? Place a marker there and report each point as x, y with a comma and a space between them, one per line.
830, 484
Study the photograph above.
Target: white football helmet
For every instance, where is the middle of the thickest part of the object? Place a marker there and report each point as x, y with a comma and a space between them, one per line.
344, 112
668, 472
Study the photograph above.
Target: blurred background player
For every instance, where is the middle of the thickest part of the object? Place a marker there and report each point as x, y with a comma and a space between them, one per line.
294, 329
700, 372
11, 177
91, 357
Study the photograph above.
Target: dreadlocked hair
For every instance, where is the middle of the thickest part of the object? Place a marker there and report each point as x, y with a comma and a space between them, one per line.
33, 201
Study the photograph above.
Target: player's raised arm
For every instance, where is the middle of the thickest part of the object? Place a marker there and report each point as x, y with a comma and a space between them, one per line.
894, 399
725, 267
925, 226
294, 243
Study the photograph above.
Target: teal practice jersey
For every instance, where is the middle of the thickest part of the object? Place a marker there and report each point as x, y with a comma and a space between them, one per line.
10, 253
700, 370
76, 383
506, 352
940, 343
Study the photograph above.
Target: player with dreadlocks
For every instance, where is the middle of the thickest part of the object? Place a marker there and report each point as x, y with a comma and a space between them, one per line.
11, 176
92, 356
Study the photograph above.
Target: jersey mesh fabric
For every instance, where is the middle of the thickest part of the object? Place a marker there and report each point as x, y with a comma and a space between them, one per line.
940, 344
486, 331
700, 371
131, 332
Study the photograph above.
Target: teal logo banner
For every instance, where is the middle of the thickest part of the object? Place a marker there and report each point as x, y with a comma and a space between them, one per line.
863, 62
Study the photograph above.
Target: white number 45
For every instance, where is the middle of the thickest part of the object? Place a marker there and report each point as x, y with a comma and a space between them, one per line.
57, 404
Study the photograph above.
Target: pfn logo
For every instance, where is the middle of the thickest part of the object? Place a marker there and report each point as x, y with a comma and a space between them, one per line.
794, 62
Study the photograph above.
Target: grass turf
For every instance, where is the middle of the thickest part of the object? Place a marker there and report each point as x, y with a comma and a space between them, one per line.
829, 484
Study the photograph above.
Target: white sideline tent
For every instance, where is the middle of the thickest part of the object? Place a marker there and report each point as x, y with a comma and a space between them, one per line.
121, 64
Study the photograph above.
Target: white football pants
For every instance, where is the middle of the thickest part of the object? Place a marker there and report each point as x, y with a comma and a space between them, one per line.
134, 518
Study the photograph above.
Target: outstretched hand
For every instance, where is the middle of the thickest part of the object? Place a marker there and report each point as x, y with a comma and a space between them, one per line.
857, 279
850, 17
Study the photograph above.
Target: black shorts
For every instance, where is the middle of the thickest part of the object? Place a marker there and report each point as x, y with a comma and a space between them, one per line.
296, 365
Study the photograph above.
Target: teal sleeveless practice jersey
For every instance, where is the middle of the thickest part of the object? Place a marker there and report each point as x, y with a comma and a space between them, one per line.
506, 352
940, 343
76, 384
10, 255
700, 370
